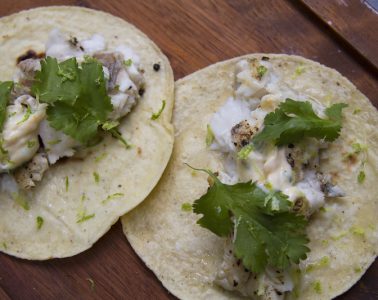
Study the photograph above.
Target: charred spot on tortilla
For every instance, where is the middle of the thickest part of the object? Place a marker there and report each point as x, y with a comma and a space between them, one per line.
30, 54
141, 91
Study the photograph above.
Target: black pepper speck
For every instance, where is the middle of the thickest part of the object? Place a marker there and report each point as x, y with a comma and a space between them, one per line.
156, 67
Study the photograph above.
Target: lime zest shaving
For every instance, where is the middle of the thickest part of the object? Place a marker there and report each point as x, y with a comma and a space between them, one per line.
82, 217
209, 135
187, 207
317, 286
26, 116
96, 177
261, 70
245, 151
323, 262
361, 177
100, 157
20, 200
40, 222
155, 116
31, 143
357, 230
128, 62
67, 182
111, 197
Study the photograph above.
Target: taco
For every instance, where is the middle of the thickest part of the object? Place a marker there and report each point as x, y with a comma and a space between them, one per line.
271, 190
86, 104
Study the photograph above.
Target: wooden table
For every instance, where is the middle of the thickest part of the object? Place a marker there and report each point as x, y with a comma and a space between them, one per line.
195, 34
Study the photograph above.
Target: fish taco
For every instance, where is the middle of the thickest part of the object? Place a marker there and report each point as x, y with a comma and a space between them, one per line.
271, 190
85, 127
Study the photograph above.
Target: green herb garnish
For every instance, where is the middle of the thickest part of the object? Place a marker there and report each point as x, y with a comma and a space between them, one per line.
209, 136
317, 286
294, 120
186, 207
245, 151
82, 217
111, 197
26, 115
155, 116
128, 62
77, 97
100, 157
67, 183
4, 157
31, 143
108, 125
340, 236
5, 91
265, 231
261, 70
299, 70
96, 177
357, 230
361, 177
323, 262
357, 147
39, 222
57, 82
116, 134
54, 142
358, 269
21, 200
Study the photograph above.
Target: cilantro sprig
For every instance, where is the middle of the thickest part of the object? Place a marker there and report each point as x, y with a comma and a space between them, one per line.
77, 96
294, 120
265, 230
5, 91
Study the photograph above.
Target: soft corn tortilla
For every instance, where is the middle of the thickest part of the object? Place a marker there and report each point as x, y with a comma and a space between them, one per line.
185, 256
127, 174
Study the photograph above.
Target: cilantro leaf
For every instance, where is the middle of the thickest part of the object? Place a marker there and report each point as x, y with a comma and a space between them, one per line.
77, 96
73, 121
5, 90
94, 97
265, 231
294, 120
57, 81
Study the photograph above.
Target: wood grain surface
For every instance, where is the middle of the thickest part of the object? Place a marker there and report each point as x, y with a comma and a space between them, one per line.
353, 21
193, 34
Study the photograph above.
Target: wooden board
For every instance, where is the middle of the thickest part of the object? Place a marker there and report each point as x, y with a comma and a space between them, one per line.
193, 34
354, 21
